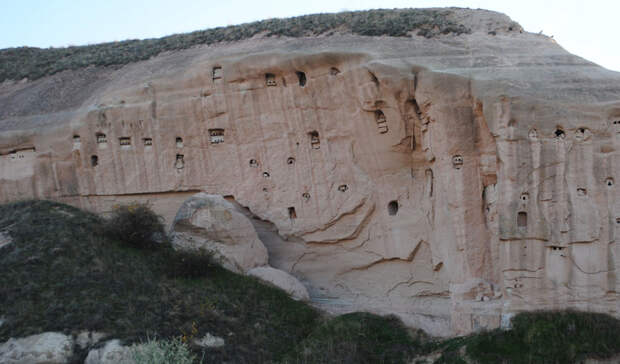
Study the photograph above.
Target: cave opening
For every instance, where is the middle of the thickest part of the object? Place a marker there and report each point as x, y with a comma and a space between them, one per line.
393, 208
270, 79
315, 142
301, 76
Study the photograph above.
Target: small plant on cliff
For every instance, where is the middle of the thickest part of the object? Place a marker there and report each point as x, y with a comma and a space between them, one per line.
137, 225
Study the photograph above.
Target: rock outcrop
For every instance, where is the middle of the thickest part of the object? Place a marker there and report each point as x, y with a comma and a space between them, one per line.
210, 223
112, 352
45, 348
282, 280
451, 180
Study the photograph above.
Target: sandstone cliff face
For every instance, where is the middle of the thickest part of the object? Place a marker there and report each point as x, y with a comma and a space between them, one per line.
451, 181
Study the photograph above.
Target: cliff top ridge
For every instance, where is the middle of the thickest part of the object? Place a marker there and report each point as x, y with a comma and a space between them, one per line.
33, 63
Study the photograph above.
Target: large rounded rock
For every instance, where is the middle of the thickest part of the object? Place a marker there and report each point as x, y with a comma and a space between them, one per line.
282, 280
210, 223
45, 348
111, 353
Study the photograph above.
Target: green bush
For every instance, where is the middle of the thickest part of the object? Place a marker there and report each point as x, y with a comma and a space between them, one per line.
137, 225
356, 338
172, 351
189, 265
541, 337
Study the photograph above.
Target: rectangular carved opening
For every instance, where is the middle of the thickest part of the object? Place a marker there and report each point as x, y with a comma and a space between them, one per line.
216, 72
101, 138
291, 213
124, 141
179, 162
147, 142
216, 136
315, 142
302, 78
522, 219
270, 79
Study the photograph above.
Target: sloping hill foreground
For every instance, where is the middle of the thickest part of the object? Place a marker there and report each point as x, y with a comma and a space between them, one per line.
65, 271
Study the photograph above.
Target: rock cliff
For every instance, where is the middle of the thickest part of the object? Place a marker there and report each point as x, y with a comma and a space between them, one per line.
451, 179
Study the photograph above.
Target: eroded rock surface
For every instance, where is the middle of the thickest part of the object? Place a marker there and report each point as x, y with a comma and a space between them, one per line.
451, 180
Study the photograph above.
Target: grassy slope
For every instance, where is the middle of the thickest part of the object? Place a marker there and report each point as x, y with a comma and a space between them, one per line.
33, 63
64, 273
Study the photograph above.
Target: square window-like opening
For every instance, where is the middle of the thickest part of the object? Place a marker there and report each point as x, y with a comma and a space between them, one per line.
216, 136
217, 72
124, 141
270, 79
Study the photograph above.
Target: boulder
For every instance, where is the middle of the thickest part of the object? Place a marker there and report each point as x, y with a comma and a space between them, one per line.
45, 348
209, 341
282, 280
111, 353
212, 224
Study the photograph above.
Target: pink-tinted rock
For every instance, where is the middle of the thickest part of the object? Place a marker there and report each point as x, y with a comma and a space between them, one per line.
450, 180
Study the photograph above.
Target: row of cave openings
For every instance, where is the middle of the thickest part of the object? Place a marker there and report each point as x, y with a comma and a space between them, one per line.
581, 192
559, 133
580, 134
216, 136
270, 78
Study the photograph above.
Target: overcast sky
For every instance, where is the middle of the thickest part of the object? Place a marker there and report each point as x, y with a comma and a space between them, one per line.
589, 29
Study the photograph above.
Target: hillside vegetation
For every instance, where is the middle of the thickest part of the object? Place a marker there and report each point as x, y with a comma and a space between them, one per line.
33, 63
69, 270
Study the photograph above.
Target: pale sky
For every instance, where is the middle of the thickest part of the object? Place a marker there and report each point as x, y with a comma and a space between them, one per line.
589, 29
